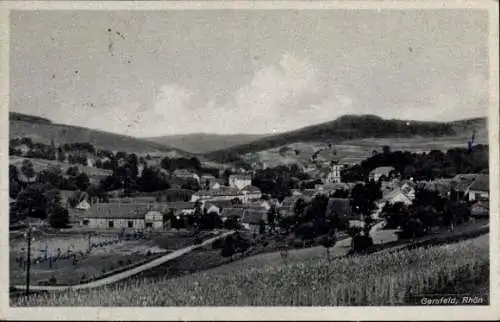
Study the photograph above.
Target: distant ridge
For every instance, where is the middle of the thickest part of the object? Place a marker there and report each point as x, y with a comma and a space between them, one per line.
350, 127
205, 142
44, 130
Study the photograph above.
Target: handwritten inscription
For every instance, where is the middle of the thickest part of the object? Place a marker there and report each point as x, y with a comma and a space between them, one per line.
75, 256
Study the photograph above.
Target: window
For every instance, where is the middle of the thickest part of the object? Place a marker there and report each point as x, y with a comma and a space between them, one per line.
130, 224
149, 225
86, 222
111, 224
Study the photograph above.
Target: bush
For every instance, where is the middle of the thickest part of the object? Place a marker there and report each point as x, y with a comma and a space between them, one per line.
218, 243
362, 243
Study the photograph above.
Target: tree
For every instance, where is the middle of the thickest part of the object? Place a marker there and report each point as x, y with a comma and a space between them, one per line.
27, 169
228, 248
328, 241
72, 171
32, 202
82, 181
59, 217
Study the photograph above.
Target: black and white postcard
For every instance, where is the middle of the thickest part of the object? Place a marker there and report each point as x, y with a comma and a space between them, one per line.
249, 160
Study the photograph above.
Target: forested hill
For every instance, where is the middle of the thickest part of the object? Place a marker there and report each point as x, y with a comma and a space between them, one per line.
351, 127
44, 131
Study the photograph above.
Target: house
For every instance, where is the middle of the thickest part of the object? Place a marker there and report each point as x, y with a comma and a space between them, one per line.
210, 207
115, 216
251, 192
394, 196
185, 175
381, 173
83, 205
252, 219
223, 193
232, 213
479, 189
153, 219
180, 207
206, 177
240, 181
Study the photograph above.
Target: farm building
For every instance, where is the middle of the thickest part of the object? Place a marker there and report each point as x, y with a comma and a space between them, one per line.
115, 216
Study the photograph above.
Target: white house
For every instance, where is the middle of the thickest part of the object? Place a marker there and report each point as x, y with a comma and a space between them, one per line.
381, 172
479, 190
153, 219
240, 181
83, 205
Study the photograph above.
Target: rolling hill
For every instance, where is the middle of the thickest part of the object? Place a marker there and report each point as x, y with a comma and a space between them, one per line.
43, 130
353, 128
205, 142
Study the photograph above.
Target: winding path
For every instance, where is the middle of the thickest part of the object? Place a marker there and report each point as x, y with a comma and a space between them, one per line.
128, 273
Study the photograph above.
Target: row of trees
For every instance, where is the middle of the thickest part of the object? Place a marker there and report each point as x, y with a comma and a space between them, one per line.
423, 166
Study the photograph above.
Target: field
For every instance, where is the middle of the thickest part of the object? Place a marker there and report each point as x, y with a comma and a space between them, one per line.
383, 278
100, 261
40, 164
359, 148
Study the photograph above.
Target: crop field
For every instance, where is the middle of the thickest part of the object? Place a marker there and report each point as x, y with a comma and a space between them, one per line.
100, 260
383, 278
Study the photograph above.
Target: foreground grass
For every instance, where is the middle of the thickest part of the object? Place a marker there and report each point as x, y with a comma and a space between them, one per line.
380, 279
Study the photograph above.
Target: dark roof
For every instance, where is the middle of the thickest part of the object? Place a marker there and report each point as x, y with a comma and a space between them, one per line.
338, 206
241, 176
179, 205
142, 199
251, 216
252, 189
482, 183
117, 211
222, 203
232, 212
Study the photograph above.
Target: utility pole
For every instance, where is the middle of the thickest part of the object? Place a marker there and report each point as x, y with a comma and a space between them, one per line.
28, 263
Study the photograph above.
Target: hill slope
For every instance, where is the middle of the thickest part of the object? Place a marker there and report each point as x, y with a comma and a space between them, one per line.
353, 127
43, 130
205, 142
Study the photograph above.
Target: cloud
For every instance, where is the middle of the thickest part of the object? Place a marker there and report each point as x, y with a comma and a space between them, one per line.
272, 99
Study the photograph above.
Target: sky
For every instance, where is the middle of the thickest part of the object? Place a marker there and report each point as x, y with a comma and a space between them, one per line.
155, 73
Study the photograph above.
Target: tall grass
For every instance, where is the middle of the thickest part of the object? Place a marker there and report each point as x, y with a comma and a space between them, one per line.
383, 278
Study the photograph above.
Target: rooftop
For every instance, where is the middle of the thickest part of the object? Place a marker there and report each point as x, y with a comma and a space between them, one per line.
482, 183
116, 211
232, 212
